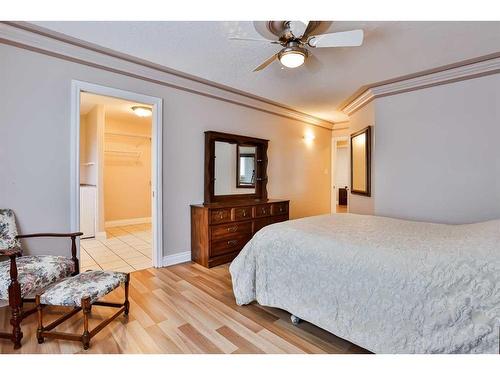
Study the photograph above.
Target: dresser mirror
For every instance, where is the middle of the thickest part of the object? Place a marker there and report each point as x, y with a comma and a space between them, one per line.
235, 167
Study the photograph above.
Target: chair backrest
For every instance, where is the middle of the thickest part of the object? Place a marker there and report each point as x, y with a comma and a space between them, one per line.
8, 230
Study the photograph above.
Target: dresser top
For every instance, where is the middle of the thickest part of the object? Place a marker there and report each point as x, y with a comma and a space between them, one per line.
245, 202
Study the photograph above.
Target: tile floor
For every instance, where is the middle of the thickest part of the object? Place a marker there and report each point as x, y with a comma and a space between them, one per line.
126, 249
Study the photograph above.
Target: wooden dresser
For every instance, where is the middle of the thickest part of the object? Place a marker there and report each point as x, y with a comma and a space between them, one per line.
220, 230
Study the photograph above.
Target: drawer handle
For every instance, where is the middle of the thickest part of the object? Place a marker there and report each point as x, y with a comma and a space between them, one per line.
221, 214
281, 209
232, 229
263, 210
244, 213
232, 242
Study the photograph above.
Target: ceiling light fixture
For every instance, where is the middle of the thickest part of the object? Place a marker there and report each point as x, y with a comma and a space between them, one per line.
293, 55
142, 111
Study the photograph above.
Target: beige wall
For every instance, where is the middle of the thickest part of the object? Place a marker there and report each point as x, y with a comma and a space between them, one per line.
127, 180
35, 116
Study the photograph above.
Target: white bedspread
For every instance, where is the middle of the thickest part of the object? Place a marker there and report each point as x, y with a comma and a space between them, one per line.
390, 286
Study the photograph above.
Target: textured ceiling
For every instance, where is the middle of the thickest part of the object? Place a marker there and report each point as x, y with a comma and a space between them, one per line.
390, 49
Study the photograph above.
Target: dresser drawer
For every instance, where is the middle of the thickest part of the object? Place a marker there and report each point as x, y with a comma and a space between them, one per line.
258, 224
221, 215
223, 231
278, 219
242, 213
229, 245
279, 208
262, 210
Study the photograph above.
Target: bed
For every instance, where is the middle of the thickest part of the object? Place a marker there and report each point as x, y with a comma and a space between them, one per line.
387, 285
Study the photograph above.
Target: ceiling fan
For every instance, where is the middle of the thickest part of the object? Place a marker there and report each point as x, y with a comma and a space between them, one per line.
296, 42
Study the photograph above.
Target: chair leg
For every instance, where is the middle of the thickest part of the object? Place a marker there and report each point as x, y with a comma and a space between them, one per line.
126, 303
86, 312
15, 303
39, 331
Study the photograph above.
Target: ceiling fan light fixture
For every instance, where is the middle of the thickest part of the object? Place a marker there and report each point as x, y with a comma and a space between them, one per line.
292, 59
292, 56
142, 111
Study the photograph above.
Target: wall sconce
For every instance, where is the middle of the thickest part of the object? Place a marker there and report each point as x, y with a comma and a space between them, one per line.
309, 136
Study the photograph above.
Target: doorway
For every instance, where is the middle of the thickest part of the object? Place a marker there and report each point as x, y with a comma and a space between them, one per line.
116, 174
340, 175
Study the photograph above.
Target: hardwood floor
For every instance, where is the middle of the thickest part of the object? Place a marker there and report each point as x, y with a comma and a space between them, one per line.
341, 209
184, 309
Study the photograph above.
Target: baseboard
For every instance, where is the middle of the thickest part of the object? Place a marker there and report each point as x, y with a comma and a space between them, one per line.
100, 236
134, 221
170, 260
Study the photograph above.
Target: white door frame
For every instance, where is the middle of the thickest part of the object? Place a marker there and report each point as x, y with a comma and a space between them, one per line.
334, 187
156, 156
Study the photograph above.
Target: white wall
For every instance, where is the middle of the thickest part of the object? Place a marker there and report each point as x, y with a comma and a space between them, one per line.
35, 151
438, 153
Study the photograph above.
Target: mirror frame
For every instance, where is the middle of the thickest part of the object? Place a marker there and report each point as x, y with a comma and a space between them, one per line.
368, 146
260, 170
238, 156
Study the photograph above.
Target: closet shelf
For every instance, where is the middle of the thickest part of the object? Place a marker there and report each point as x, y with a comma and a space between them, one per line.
130, 154
128, 135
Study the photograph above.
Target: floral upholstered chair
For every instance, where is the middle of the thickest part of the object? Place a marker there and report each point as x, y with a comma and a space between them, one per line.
21, 276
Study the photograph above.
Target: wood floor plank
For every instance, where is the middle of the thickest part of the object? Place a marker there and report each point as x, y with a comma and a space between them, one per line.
244, 346
280, 342
201, 341
166, 344
184, 308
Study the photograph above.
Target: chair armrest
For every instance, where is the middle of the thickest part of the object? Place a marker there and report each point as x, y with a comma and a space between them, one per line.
73, 244
11, 251
75, 234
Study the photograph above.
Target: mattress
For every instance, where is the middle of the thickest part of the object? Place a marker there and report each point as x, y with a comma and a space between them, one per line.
387, 285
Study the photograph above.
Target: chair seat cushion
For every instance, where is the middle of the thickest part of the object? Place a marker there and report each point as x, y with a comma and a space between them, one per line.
91, 284
35, 273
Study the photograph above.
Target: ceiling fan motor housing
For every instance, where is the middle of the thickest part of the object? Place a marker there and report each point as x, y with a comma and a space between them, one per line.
293, 47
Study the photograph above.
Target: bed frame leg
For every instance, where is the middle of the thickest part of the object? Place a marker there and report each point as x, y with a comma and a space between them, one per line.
295, 319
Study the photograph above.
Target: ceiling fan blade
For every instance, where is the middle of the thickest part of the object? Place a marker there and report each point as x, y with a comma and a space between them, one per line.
266, 63
253, 40
311, 25
352, 38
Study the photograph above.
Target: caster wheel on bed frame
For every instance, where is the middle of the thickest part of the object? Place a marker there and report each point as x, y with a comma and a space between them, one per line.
295, 320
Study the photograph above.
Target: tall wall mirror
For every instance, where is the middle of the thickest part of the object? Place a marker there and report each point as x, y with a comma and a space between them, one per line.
361, 162
235, 167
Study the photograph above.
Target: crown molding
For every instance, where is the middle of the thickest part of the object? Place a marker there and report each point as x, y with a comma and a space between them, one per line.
468, 69
359, 102
37, 39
